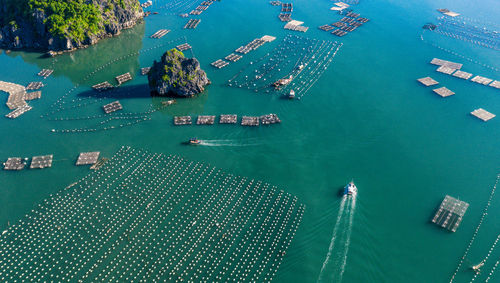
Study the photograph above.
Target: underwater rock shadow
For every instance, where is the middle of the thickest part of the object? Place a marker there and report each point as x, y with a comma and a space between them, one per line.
121, 92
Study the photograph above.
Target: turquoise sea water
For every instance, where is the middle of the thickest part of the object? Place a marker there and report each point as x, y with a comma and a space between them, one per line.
365, 119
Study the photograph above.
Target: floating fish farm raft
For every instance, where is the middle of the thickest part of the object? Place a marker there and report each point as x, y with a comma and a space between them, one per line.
145, 70
483, 114
87, 158
192, 23
32, 95
443, 92
450, 213
123, 78
112, 107
159, 34
102, 86
245, 49
40, 162
183, 47
182, 120
348, 23
146, 217
229, 119
34, 86
14, 163
18, 112
45, 73
452, 68
205, 120
427, 81
297, 63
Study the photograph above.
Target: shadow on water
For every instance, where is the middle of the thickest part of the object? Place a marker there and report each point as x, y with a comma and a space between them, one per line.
183, 106
78, 64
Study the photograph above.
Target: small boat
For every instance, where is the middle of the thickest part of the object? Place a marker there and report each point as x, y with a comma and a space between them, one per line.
350, 189
291, 95
301, 66
194, 141
282, 82
477, 267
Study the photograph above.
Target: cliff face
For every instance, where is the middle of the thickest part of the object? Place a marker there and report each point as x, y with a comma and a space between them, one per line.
54, 25
176, 75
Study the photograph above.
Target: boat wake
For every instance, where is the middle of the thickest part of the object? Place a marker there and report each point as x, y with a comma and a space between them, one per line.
226, 143
333, 267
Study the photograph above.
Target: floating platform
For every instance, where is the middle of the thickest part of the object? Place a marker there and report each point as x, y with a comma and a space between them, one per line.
269, 119
250, 121
145, 70
195, 12
462, 75
443, 92
192, 23
495, 84
275, 3
205, 120
160, 33
18, 112
296, 26
287, 7
428, 81
339, 24
219, 64
326, 27
123, 78
483, 114
14, 164
285, 17
16, 94
112, 107
352, 15
228, 119
87, 158
268, 38
481, 80
40, 162
99, 164
32, 95
182, 120
339, 32
450, 213
233, 57
45, 73
183, 47
102, 86
363, 20
151, 217
445, 70
34, 86
452, 65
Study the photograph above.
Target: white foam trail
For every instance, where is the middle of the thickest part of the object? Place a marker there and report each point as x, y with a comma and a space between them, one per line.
334, 237
225, 143
348, 237
345, 219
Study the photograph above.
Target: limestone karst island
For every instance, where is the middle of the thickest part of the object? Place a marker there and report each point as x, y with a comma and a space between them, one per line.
249, 141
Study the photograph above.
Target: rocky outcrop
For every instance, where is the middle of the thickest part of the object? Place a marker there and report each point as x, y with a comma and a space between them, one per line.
177, 76
25, 25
